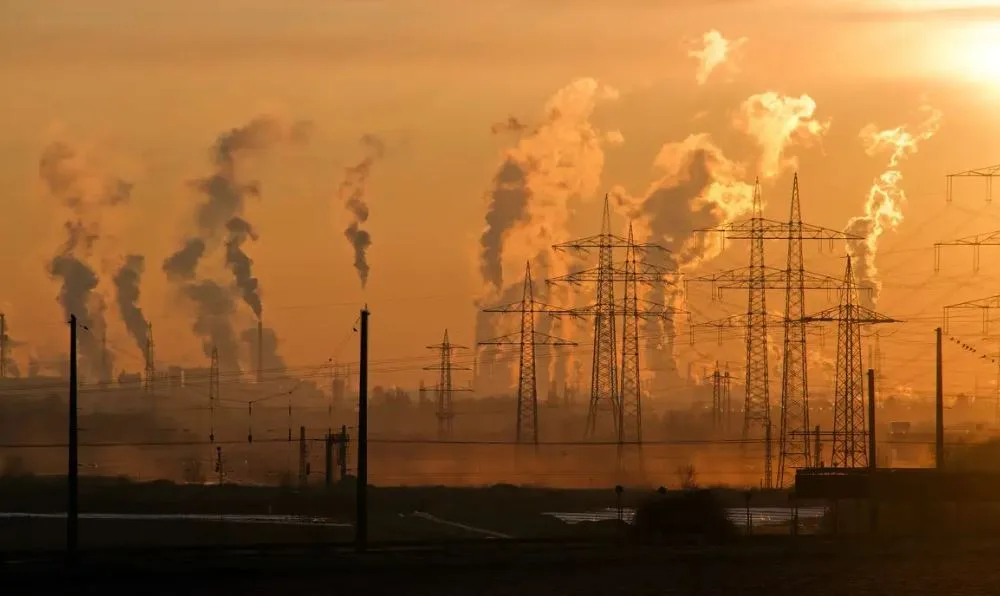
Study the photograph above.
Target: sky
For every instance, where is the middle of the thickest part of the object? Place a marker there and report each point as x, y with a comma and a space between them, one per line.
144, 90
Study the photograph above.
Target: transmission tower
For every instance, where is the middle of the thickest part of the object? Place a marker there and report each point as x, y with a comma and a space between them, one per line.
988, 173
149, 376
4, 348
850, 449
718, 399
606, 393
444, 390
213, 392
526, 339
793, 431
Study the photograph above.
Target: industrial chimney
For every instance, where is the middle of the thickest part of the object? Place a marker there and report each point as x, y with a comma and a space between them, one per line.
260, 351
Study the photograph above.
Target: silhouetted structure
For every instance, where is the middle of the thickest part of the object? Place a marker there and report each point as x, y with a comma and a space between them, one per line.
526, 339
793, 436
445, 413
849, 430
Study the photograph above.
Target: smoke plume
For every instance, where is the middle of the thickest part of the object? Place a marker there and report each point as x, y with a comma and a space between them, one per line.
127, 285
886, 198
559, 160
220, 221
270, 358
86, 195
214, 309
352, 194
714, 51
240, 264
777, 122
699, 188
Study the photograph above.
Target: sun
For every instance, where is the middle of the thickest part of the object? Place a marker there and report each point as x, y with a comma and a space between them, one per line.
976, 53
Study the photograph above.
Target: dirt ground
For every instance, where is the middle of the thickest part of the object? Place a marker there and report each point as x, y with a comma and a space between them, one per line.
841, 569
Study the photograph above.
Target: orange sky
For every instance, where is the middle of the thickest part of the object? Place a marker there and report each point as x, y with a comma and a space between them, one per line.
148, 86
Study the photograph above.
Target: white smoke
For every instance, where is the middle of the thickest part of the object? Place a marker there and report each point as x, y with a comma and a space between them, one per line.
713, 52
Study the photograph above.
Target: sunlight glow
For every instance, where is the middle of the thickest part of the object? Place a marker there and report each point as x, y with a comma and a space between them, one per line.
974, 53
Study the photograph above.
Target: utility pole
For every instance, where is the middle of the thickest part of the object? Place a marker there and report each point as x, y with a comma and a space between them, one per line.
526, 339
361, 523
73, 471
849, 447
445, 412
939, 404
793, 430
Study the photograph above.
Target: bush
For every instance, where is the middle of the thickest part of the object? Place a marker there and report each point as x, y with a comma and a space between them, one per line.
682, 515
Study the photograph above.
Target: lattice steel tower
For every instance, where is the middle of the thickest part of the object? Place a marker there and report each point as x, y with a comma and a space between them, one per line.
757, 403
606, 384
850, 449
526, 339
794, 280
604, 374
445, 388
630, 422
794, 447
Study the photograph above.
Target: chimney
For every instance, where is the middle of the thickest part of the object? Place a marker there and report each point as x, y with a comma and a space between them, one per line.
260, 351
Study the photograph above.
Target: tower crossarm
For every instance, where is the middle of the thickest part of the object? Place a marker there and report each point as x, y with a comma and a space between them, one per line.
976, 241
737, 321
645, 273
749, 229
537, 339
520, 308
988, 173
983, 304
849, 312
772, 279
645, 309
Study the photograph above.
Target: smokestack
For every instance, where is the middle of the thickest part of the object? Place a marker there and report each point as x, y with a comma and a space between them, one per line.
260, 351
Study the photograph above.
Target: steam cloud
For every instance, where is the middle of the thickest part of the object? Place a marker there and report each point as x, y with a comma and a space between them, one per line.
715, 51
886, 198
699, 188
220, 221
127, 284
270, 358
352, 193
561, 159
86, 195
777, 122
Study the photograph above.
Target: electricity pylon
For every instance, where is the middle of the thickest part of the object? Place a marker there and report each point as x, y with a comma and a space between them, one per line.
606, 388
850, 449
988, 173
793, 438
527, 339
445, 412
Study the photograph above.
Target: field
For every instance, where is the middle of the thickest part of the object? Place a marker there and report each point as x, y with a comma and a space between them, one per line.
755, 566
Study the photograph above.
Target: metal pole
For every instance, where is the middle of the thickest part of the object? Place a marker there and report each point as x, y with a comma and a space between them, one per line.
939, 407
361, 523
73, 470
872, 460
